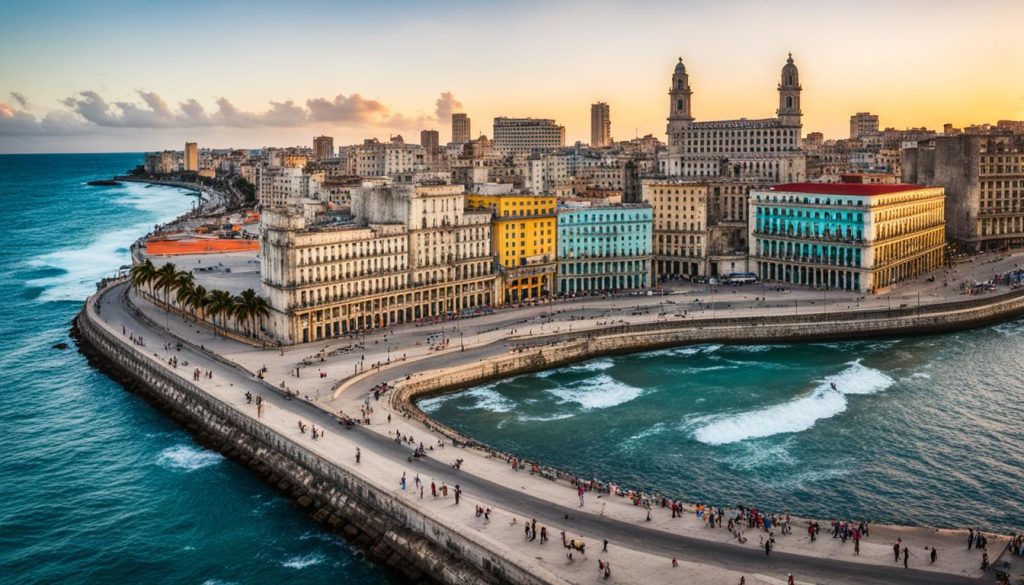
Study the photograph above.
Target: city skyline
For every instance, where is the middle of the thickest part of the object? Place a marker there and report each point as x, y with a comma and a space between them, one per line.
178, 73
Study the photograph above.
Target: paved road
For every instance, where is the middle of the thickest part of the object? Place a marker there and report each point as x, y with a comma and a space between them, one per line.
619, 533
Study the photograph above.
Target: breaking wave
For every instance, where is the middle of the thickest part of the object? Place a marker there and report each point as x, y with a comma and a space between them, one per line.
799, 414
601, 392
187, 457
303, 561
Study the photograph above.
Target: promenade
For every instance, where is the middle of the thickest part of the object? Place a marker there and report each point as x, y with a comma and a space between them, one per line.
639, 549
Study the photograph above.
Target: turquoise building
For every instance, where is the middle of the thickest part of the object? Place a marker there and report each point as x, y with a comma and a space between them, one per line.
604, 248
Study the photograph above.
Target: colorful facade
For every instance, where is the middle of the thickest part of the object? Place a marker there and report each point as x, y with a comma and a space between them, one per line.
858, 237
604, 249
523, 242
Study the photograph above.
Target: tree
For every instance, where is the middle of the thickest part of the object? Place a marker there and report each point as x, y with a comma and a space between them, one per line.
143, 274
222, 305
167, 280
251, 309
185, 282
197, 301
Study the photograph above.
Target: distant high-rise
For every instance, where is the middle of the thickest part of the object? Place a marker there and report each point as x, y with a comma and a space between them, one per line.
600, 125
191, 156
527, 135
323, 147
863, 124
430, 140
460, 128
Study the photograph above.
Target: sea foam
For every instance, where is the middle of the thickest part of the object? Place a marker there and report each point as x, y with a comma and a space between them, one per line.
187, 457
600, 392
303, 561
79, 266
798, 414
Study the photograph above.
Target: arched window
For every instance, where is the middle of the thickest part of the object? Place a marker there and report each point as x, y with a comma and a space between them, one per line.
679, 105
789, 101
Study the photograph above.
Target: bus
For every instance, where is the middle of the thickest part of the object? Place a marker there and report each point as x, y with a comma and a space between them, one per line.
738, 278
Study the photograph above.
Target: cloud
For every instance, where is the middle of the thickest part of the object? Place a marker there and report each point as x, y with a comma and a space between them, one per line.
446, 106
88, 110
354, 108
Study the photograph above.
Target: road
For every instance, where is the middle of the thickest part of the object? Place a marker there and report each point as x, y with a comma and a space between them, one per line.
619, 533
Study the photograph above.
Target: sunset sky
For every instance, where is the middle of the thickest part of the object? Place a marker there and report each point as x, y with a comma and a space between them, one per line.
128, 76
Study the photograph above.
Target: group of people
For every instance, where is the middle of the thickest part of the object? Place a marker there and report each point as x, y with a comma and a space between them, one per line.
531, 531
314, 432
197, 373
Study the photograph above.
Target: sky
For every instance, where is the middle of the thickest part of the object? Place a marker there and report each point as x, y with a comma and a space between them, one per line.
88, 76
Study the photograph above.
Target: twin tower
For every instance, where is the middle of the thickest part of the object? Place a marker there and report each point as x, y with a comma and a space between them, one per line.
679, 106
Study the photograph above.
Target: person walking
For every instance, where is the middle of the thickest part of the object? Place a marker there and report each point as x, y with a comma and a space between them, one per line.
896, 551
458, 493
934, 555
970, 538
906, 556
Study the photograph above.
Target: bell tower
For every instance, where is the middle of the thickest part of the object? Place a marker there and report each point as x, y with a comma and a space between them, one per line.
679, 103
789, 95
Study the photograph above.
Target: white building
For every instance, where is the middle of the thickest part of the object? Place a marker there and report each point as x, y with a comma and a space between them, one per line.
527, 135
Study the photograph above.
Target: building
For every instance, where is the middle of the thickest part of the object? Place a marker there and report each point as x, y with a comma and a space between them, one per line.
374, 158
863, 124
766, 150
527, 135
161, 163
679, 227
410, 253
984, 180
192, 157
430, 140
600, 125
603, 248
323, 148
461, 128
277, 186
849, 236
523, 242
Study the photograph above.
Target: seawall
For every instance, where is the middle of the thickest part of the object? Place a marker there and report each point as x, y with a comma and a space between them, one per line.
389, 530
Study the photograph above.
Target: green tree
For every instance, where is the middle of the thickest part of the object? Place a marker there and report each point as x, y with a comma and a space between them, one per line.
143, 274
222, 304
250, 310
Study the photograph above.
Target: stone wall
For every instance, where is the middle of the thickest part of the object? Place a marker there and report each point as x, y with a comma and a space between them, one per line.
388, 529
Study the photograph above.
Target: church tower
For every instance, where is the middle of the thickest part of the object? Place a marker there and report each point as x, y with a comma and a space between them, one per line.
679, 103
789, 95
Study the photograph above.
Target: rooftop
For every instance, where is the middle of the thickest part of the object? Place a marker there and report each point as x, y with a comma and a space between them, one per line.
844, 188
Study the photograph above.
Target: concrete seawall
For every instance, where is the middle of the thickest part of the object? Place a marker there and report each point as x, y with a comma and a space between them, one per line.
386, 528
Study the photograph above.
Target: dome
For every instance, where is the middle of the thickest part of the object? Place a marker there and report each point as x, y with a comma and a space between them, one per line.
789, 67
680, 68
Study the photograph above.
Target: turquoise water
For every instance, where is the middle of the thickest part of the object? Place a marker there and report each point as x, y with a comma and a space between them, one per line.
97, 487
923, 430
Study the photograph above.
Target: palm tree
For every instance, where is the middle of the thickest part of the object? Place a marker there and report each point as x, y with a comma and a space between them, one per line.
185, 283
142, 274
222, 305
197, 301
251, 308
167, 280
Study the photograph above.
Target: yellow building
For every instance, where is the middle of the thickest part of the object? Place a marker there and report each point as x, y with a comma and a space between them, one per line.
523, 240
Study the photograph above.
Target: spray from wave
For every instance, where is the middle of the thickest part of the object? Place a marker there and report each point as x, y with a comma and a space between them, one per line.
75, 269
600, 392
799, 414
187, 458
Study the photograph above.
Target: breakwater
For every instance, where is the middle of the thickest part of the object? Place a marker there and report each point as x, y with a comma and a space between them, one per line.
389, 530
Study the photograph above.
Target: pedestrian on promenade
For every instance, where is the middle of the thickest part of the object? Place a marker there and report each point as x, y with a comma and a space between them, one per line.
896, 551
906, 556
934, 555
359, 454
402, 482
970, 538
543, 534
605, 549
579, 491
458, 492
433, 489
533, 530
791, 580
768, 547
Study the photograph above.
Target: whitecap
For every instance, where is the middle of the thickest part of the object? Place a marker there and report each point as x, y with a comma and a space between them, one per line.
303, 561
187, 457
544, 418
78, 267
799, 414
600, 392
598, 365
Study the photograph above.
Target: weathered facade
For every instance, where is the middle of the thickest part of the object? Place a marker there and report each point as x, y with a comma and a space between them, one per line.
604, 248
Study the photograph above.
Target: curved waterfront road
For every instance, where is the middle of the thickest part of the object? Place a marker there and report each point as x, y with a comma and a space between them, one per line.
115, 312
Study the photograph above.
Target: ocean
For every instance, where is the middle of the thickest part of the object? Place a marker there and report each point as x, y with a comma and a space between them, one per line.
921, 431
97, 487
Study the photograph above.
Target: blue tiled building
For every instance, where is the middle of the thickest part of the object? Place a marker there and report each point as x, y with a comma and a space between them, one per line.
604, 248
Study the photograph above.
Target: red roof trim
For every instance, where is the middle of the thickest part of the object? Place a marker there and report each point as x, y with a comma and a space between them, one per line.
845, 188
